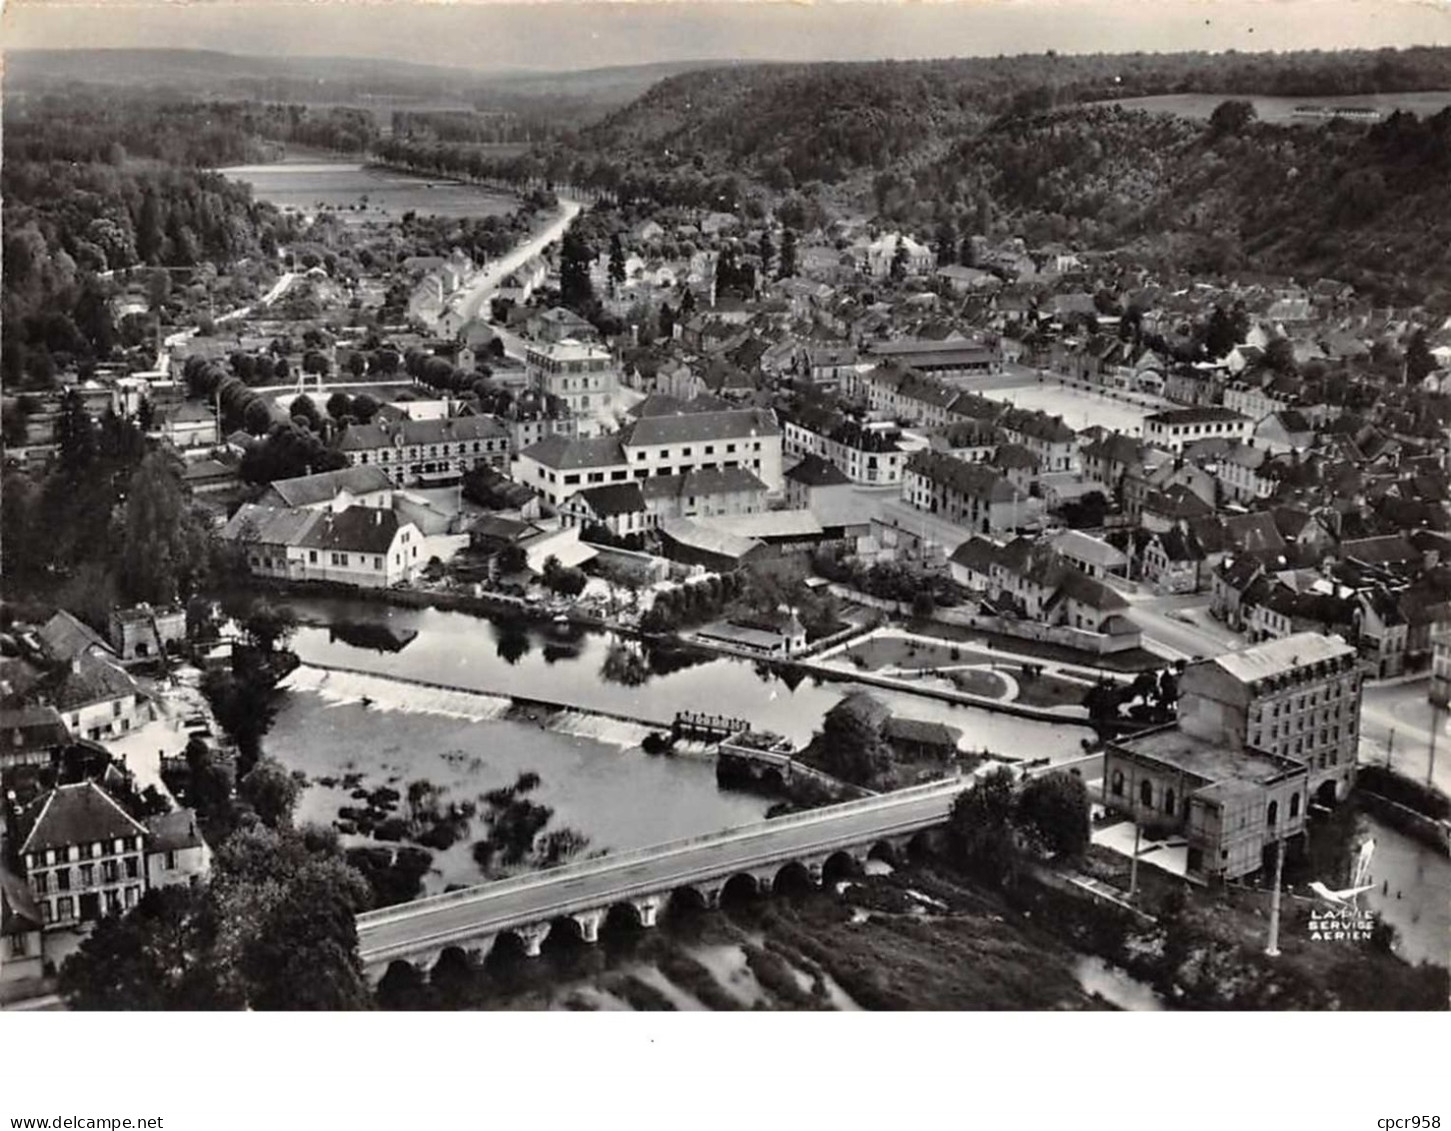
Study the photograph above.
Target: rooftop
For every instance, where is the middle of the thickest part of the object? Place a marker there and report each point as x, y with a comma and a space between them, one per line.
1207, 762
307, 490
1275, 657
78, 814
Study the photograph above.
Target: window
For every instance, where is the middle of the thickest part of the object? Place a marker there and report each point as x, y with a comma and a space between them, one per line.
41, 882
110, 871
133, 867
1146, 793
1169, 802
1294, 805
88, 875
65, 908
377, 562
62, 879
18, 946
1272, 815
312, 557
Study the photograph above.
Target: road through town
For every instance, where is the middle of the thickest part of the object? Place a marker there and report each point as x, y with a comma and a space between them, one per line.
477, 291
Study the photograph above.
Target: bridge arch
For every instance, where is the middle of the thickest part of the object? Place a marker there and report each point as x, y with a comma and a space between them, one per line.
402, 986
838, 866
452, 976
793, 878
888, 852
686, 902
740, 888
564, 933
622, 920
508, 948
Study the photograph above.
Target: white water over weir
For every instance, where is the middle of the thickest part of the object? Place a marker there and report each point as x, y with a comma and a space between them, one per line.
338, 686
387, 694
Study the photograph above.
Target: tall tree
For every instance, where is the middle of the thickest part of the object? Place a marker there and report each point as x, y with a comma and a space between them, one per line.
617, 260
575, 256
1420, 362
898, 269
75, 435
787, 268
1052, 811
981, 827
767, 253
164, 546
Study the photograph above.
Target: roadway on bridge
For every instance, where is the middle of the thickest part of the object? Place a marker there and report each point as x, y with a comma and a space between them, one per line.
458, 917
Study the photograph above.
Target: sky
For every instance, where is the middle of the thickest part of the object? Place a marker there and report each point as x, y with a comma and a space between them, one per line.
577, 34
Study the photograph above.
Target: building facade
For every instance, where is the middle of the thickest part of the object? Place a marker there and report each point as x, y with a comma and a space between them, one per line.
428, 453
584, 377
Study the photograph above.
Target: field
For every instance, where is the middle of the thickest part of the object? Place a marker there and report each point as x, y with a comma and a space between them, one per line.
364, 193
1278, 109
1078, 409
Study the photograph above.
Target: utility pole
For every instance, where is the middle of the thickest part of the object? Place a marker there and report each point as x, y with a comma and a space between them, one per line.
1391, 747
1134, 861
1272, 948
1435, 724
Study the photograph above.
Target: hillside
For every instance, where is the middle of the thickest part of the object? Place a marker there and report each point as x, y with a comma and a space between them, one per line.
1024, 147
324, 80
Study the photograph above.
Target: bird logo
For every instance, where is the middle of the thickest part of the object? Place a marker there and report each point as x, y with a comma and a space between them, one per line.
1339, 898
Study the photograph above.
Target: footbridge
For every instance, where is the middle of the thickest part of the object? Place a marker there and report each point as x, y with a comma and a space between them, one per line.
635, 886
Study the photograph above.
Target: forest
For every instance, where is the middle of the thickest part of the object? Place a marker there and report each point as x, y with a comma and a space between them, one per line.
1000, 147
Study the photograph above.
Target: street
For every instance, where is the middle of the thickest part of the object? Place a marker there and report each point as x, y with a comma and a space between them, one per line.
1158, 616
476, 292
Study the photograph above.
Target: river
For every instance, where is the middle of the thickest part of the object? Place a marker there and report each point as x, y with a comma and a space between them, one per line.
592, 771
564, 664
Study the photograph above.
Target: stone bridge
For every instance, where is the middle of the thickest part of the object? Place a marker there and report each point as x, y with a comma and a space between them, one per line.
634, 887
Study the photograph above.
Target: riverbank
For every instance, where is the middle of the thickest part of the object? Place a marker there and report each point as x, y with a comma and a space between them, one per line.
494, 607
911, 940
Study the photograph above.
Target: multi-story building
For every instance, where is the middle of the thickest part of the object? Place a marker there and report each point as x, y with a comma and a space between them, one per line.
584, 377
655, 446
865, 453
1440, 692
428, 453
972, 495
939, 359
1174, 428
1261, 734
892, 390
84, 856
362, 546
1047, 437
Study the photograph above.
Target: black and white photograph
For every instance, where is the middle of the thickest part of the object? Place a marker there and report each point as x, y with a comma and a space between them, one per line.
725, 507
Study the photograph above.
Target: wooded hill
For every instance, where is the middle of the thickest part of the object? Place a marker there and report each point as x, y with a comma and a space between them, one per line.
1010, 146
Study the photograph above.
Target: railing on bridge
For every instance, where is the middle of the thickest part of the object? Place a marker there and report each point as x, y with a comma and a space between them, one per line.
613, 861
700, 727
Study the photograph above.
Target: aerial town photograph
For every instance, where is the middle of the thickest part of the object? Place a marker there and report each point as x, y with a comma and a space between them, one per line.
602, 507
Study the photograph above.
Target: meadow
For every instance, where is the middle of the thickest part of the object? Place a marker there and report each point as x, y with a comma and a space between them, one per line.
364, 192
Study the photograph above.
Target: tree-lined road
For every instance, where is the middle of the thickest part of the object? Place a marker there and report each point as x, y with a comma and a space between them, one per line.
472, 296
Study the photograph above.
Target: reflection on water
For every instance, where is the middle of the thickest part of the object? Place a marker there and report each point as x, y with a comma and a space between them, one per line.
576, 666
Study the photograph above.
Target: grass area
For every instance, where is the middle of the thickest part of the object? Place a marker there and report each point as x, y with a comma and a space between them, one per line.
898, 652
1127, 662
975, 681
1049, 691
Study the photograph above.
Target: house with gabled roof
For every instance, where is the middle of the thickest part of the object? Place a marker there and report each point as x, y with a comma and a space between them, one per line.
83, 855
364, 485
